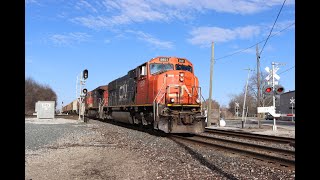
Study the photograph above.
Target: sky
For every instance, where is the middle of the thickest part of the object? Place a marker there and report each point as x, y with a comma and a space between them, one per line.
111, 37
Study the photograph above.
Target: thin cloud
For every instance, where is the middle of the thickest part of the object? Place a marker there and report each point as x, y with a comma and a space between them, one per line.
107, 41
203, 36
84, 4
278, 2
123, 12
28, 60
227, 6
31, 2
69, 39
152, 40
279, 26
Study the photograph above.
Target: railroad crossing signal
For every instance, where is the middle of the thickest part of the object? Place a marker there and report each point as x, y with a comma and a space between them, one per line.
292, 102
273, 87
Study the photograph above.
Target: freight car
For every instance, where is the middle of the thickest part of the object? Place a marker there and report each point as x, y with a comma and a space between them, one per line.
71, 108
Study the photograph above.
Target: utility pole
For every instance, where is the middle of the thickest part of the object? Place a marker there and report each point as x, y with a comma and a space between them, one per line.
258, 83
245, 96
210, 87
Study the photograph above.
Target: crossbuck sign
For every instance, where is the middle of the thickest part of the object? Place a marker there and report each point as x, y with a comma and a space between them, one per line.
269, 77
292, 101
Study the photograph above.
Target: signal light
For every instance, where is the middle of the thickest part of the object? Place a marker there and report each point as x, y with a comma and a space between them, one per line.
267, 90
85, 74
278, 89
85, 92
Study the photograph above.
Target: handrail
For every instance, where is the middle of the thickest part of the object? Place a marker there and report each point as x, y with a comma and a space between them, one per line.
155, 104
160, 88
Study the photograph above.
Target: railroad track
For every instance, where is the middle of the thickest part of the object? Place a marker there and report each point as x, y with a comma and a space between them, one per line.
251, 136
282, 158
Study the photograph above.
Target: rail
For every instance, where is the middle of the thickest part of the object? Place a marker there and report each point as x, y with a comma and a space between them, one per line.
281, 157
260, 137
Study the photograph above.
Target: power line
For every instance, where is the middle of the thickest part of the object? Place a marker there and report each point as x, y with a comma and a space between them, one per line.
228, 55
287, 70
272, 28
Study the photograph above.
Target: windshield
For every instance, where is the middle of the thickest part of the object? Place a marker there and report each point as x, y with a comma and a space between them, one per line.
183, 67
156, 68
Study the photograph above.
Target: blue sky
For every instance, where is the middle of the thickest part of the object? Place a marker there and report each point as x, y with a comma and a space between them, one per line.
110, 37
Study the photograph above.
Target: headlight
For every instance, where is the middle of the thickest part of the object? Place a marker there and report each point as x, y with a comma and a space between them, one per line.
172, 100
198, 101
181, 79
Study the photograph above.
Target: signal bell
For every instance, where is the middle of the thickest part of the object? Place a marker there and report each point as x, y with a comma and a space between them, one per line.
278, 89
267, 90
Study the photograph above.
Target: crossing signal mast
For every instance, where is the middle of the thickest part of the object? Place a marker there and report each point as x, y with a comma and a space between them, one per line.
272, 88
81, 92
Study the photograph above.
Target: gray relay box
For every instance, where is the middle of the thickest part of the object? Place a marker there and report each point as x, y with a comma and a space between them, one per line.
45, 109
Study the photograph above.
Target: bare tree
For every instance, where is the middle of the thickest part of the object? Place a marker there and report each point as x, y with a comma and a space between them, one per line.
239, 98
225, 113
252, 89
36, 92
214, 108
252, 96
214, 104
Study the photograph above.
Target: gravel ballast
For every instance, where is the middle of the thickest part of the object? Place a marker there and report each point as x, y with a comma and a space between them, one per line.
99, 150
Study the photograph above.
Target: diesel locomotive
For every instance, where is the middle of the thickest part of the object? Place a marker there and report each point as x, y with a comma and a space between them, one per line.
163, 93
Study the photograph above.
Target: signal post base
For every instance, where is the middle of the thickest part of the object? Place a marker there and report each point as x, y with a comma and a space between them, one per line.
274, 128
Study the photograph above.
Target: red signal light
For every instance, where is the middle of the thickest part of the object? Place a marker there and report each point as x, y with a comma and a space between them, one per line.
279, 89
267, 90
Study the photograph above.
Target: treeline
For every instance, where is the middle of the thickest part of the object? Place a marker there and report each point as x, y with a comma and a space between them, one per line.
36, 92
